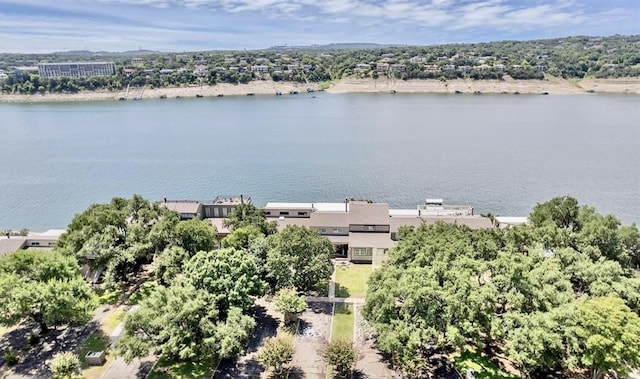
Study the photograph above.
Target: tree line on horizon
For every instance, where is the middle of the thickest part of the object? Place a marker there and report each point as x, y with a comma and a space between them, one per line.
569, 58
561, 294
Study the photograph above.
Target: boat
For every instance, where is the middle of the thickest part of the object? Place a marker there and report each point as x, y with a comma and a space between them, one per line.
545, 93
457, 91
310, 90
392, 91
278, 93
293, 92
220, 95
163, 96
122, 98
477, 93
250, 94
199, 95
178, 97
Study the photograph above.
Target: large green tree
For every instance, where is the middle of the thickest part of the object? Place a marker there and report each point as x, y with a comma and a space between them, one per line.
610, 337
300, 258
45, 287
531, 291
202, 314
118, 236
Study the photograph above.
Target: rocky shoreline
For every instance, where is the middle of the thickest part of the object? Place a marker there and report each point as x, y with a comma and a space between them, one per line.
554, 86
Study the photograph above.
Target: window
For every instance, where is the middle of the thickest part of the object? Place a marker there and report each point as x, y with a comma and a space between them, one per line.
302, 213
284, 213
267, 213
336, 230
323, 230
207, 212
361, 252
370, 228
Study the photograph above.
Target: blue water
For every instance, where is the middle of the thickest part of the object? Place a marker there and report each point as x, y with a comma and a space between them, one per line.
500, 153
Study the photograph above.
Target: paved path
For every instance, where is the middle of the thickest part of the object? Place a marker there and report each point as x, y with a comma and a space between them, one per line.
345, 300
137, 369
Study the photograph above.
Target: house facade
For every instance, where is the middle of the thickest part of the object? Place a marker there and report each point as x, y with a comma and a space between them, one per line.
363, 231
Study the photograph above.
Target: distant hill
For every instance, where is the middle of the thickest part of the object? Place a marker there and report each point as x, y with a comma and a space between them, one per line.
335, 46
89, 53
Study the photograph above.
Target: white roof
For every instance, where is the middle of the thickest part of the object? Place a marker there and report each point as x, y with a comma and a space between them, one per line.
511, 220
329, 207
288, 206
434, 201
320, 207
50, 232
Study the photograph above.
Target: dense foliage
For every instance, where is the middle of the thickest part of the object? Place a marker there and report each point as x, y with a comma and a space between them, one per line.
300, 258
275, 352
123, 234
202, 315
572, 57
44, 287
539, 292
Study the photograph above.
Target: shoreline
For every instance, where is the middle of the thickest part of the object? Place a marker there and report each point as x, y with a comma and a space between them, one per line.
552, 86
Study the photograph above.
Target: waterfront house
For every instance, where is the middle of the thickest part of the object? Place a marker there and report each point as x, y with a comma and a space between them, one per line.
364, 232
42, 241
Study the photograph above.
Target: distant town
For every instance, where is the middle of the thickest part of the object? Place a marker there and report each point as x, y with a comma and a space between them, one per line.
568, 58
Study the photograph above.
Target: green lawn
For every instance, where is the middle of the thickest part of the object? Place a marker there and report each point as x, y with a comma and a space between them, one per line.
342, 323
166, 369
351, 281
112, 321
98, 341
483, 367
109, 297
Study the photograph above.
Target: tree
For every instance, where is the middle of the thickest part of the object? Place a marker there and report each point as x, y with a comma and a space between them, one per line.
275, 352
45, 287
196, 235
289, 303
242, 237
170, 263
248, 214
610, 334
299, 257
561, 211
65, 366
117, 236
202, 314
341, 355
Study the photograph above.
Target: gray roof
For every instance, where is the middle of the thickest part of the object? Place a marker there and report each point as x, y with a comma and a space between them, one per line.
9, 245
182, 206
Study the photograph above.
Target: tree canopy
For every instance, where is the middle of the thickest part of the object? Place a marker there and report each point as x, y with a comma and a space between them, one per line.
537, 291
202, 314
45, 287
299, 258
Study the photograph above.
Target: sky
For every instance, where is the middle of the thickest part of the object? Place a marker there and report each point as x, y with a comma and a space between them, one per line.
37, 26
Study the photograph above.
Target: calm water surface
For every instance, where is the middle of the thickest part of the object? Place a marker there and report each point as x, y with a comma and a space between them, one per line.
501, 153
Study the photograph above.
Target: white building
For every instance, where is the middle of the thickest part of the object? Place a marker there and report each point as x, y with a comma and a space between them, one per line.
76, 69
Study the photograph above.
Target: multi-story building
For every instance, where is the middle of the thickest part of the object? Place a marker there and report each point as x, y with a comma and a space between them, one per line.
216, 211
364, 232
76, 69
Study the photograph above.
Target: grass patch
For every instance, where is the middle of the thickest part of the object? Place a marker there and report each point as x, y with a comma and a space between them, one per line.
166, 369
112, 321
342, 322
351, 281
145, 290
483, 367
97, 341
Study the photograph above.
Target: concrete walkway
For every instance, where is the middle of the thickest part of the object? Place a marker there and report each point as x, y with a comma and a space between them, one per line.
343, 300
137, 369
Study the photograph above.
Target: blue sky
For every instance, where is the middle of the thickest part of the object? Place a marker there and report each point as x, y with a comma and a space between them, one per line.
188, 25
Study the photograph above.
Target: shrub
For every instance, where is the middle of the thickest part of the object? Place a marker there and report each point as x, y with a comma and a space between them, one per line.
341, 355
275, 352
65, 366
11, 357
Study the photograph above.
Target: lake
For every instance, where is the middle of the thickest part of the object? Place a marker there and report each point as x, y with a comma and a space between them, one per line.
500, 153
